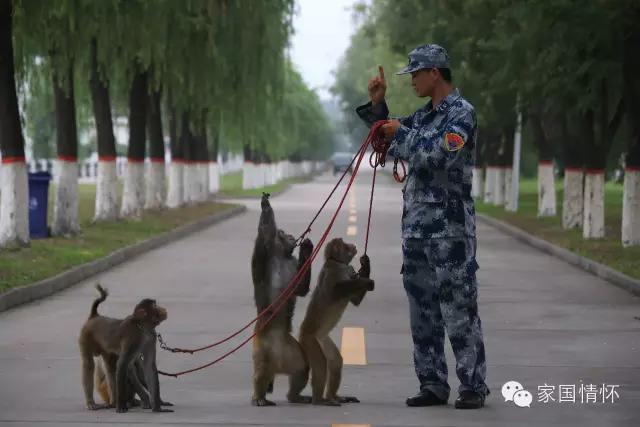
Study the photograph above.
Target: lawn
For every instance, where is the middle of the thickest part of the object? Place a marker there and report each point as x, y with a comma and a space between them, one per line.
231, 186
48, 257
608, 251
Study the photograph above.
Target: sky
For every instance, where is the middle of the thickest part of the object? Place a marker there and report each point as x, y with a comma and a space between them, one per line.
322, 33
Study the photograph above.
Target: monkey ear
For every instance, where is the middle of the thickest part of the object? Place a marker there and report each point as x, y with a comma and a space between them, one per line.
140, 313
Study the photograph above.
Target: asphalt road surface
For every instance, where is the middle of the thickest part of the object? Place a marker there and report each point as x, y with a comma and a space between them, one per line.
560, 332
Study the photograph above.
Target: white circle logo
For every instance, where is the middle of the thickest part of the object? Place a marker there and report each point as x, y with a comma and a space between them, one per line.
509, 389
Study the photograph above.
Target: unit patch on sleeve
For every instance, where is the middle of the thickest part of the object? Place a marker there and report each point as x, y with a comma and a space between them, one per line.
453, 141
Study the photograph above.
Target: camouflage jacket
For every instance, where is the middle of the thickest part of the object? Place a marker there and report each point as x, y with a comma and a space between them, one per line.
439, 147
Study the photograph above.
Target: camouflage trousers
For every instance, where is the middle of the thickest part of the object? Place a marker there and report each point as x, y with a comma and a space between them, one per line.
439, 276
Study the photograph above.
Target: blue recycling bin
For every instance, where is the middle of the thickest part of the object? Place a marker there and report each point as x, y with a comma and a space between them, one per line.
38, 202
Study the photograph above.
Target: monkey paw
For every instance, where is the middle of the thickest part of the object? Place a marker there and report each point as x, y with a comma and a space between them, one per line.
163, 403
326, 402
265, 200
161, 410
347, 399
122, 409
299, 399
262, 402
92, 406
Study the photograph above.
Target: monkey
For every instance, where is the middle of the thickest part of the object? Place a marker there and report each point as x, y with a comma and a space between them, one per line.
120, 342
275, 350
338, 284
102, 386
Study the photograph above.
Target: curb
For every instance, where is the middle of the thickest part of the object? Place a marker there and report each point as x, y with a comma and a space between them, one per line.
51, 285
607, 273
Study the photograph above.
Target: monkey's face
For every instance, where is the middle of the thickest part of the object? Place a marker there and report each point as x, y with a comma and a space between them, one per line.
340, 251
287, 241
150, 312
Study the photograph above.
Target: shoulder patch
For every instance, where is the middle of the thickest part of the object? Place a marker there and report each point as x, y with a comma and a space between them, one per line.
453, 141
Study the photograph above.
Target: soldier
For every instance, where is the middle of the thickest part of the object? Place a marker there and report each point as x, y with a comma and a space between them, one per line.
438, 227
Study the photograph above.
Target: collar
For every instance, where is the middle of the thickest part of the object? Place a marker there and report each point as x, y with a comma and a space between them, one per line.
446, 102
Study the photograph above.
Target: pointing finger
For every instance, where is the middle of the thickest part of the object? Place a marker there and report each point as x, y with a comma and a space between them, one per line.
381, 72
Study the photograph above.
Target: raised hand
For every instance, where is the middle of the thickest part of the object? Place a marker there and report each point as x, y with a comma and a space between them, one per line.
377, 87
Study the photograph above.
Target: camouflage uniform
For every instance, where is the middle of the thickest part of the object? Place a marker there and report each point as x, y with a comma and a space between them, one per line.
438, 231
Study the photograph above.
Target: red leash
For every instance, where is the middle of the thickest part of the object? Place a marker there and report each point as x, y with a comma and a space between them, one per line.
380, 149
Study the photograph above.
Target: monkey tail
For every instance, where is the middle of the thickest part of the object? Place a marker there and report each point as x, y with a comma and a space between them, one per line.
96, 303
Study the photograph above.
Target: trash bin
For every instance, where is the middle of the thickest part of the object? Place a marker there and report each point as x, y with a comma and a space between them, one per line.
38, 202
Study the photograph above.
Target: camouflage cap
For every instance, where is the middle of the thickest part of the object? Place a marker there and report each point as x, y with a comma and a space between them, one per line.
426, 56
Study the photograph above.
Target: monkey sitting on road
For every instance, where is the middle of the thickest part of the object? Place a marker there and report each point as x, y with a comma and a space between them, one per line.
275, 350
120, 343
338, 284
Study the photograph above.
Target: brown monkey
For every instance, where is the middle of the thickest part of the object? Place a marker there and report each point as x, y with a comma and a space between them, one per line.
102, 386
120, 342
275, 350
338, 284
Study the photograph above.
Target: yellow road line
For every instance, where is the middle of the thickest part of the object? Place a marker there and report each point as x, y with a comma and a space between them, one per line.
352, 347
352, 230
353, 218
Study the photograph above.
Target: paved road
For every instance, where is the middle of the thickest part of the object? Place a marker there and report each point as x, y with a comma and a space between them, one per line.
545, 322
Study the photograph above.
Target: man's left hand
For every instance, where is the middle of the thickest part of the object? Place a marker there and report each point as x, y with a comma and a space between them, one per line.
390, 128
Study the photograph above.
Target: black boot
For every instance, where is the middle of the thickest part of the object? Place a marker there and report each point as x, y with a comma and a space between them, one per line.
469, 400
425, 398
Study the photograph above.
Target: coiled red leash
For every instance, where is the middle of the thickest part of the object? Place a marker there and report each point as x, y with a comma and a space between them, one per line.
380, 149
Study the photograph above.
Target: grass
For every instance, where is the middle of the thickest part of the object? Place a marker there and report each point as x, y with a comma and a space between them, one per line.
48, 257
231, 186
608, 250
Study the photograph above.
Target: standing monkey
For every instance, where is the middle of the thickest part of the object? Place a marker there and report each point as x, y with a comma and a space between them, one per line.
275, 350
120, 342
338, 284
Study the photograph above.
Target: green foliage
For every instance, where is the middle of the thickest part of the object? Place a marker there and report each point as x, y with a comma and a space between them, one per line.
561, 59
221, 61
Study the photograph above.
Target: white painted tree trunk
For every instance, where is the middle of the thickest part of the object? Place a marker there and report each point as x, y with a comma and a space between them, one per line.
546, 190
490, 182
247, 176
573, 200
476, 185
631, 208
175, 193
14, 205
214, 178
106, 191
593, 227
133, 194
203, 181
190, 182
508, 172
498, 186
65, 207
156, 185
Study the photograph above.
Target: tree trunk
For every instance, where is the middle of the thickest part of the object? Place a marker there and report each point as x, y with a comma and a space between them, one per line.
133, 195
248, 169
175, 193
156, 186
631, 197
508, 133
189, 149
573, 199
490, 145
14, 213
546, 177
65, 209
593, 225
202, 162
107, 184
214, 172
